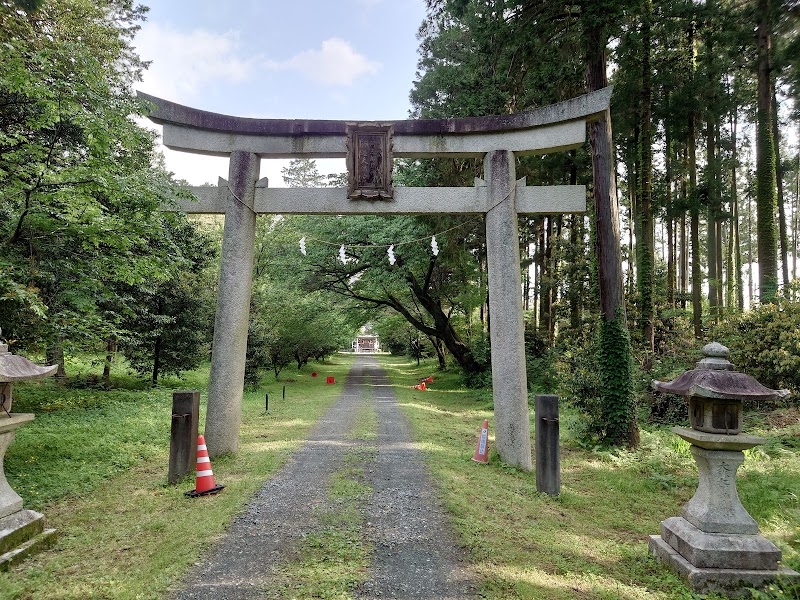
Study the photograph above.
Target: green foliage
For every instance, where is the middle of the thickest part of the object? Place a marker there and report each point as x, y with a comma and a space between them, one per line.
765, 343
80, 185
81, 438
168, 324
289, 322
618, 410
540, 362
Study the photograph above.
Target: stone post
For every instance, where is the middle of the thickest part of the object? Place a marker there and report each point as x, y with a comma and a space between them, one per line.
226, 381
183, 434
548, 448
509, 379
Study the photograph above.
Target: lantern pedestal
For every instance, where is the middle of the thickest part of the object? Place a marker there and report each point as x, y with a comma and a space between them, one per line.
22, 532
716, 544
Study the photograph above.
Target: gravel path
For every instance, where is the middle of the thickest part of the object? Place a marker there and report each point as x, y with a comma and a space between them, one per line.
415, 556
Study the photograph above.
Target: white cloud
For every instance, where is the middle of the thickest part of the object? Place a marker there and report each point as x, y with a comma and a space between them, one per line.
184, 63
335, 63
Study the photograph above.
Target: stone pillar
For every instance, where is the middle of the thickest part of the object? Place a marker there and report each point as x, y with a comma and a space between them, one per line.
548, 446
226, 382
183, 434
509, 379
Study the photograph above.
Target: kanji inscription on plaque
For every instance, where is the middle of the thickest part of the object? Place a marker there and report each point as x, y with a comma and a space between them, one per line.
369, 161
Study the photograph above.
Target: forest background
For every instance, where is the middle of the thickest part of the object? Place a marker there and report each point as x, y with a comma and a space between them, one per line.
701, 222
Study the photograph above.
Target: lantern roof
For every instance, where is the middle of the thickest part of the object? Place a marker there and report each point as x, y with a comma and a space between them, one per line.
714, 377
18, 368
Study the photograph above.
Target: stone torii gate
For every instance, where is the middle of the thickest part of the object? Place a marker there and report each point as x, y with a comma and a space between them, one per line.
496, 139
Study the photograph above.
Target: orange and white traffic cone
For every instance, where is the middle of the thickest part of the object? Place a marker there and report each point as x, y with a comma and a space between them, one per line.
204, 483
482, 451
429, 379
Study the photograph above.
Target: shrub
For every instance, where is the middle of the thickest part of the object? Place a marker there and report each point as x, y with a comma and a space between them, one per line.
765, 343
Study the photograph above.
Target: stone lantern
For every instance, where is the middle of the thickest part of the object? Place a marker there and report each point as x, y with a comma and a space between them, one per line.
716, 544
22, 531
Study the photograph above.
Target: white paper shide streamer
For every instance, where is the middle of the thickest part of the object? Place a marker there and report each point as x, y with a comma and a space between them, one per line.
342, 255
390, 252
434, 246
303, 245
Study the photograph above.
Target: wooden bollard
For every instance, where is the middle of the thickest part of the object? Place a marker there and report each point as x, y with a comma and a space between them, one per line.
548, 450
183, 435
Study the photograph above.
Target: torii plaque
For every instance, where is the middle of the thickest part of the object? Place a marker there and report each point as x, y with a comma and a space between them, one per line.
369, 161
496, 139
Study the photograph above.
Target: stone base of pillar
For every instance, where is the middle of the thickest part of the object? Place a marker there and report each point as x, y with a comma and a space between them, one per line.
23, 534
733, 583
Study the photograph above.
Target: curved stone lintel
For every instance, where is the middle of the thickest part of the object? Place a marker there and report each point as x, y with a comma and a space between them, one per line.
553, 128
588, 107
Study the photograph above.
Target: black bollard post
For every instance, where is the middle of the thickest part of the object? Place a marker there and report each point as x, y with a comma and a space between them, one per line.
284, 392
183, 434
548, 451
266, 402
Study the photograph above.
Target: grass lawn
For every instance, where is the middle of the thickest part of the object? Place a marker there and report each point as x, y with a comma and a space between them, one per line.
95, 462
591, 541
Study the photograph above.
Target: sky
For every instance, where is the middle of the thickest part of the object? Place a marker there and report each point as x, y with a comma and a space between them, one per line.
304, 59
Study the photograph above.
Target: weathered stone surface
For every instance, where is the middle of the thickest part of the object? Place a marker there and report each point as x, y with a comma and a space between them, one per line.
226, 380
183, 434
733, 583
41, 541
715, 383
509, 378
10, 501
545, 199
557, 137
19, 368
720, 550
715, 506
718, 441
548, 448
19, 527
557, 127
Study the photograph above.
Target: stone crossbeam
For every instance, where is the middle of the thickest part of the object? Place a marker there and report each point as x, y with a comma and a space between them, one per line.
551, 128
551, 199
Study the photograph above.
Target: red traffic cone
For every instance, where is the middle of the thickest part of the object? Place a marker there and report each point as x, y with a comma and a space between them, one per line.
429, 379
204, 485
482, 451
330, 380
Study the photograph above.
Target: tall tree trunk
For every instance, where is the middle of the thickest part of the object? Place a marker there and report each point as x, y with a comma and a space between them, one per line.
694, 208
784, 240
646, 243
156, 360
546, 310
555, 277
735, 238
796, 221
750, 283
54, 355
713, 212
766, 195
576, 249
575, 289
614, 353
669, 216
633, 227
694, 234
111, 349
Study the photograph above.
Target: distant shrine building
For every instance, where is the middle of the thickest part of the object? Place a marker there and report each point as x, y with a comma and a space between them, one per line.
365, 344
